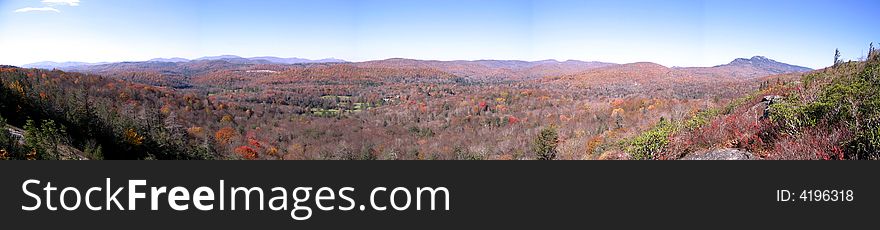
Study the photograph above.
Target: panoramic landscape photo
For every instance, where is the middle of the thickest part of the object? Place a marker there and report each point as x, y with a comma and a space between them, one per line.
439, 80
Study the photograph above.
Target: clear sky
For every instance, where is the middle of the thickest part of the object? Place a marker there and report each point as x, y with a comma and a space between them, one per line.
669, 32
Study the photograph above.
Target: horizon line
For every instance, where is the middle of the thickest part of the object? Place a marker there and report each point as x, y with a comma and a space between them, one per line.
407, 58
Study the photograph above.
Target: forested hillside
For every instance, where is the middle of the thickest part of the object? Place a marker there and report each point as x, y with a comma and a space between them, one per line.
104, 118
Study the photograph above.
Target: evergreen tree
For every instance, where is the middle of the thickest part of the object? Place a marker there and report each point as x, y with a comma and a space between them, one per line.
6, 141
870, 50
44, 140
544, 145
836, 57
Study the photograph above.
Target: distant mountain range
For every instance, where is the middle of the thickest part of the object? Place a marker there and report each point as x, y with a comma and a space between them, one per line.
740, 68
491, 69
296, 60
59, 65
229, 58
168, 60
252, 60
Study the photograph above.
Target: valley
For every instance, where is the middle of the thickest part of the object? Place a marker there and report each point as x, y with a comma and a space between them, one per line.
229, 107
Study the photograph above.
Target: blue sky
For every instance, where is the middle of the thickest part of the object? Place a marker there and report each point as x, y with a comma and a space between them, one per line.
672, 33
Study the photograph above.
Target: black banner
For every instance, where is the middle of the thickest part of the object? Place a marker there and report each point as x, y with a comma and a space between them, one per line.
481, 194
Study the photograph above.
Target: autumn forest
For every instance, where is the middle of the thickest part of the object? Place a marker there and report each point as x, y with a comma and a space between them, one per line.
403, 109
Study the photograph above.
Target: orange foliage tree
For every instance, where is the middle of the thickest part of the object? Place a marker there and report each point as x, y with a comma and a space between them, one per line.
246, 152
132, 137
224, 135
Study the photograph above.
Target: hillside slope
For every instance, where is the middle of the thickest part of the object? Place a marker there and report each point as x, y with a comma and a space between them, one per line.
832, 113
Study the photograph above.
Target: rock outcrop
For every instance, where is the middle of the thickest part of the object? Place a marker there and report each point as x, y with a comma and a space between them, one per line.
721, 154
762, 109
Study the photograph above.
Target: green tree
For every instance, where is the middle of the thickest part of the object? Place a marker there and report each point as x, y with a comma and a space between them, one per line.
653, 141
545, 143
93, 150
6, 141
836, 57
45, 139
870, 50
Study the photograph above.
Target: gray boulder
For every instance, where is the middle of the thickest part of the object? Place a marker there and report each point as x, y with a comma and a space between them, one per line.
768, 101
762, 109
721, 154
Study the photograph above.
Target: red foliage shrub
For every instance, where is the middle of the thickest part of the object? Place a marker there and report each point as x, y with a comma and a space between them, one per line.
749, 135
736, 130
813, 144
679, 145
512, 120
246, 152
255, 143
